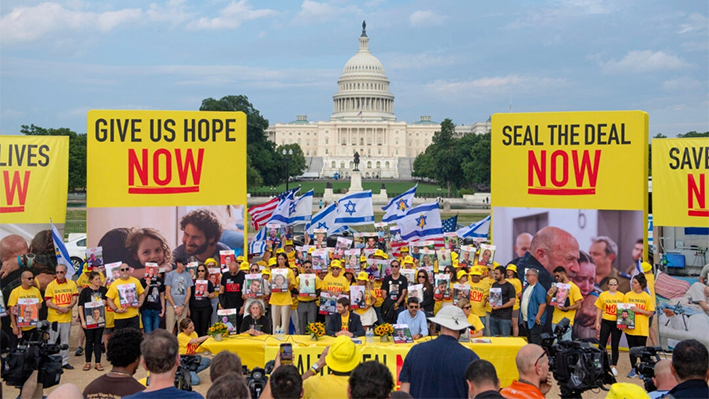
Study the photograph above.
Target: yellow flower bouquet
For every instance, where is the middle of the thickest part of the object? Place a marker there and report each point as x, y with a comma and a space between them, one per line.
218, 330
316, 330
384, 331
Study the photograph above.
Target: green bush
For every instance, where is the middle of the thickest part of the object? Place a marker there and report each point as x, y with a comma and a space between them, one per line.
466, 191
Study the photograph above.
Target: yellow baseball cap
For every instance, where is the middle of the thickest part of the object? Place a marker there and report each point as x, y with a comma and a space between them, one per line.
244, 266
289, 242
363, 276
381, 254
404, 249
646, 267
343, 355
461, 273
512, 267
266, 271
362, 259
626, 390
272, 262
280, 251
335, 263
475, 271
239, 259
210, 260
409, 260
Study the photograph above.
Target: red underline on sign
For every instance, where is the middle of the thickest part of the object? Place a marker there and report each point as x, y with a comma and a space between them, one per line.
699, 213
12, 209
561, 191
163, 190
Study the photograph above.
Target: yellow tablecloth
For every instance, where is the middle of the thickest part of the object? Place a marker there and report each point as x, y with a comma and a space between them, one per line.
256, 351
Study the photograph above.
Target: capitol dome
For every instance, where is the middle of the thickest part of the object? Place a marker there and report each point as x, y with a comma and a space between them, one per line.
363, 89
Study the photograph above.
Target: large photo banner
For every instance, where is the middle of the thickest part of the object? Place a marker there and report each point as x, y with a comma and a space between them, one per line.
680, 176
35, 172
165, 184
570, 189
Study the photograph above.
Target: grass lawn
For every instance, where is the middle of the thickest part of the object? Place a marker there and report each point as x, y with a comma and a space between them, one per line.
319, 187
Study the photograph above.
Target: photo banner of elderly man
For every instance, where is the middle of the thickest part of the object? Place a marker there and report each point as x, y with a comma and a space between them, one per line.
570, 189
156, 186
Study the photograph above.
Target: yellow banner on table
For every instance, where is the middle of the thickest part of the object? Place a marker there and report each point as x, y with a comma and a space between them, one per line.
166, 158
35, 176
680, 176
573, 160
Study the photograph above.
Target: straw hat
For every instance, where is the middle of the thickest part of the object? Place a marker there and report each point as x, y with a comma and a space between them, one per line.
451, 317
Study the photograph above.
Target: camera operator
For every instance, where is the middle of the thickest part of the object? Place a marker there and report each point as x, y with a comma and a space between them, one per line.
663, 379
161, 358
690, 365
535, 379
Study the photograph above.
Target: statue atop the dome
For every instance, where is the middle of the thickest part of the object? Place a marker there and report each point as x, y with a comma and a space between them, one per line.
364, 29
356, 162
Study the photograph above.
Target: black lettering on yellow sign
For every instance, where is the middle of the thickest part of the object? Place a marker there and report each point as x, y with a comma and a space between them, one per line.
691, 158
194, 130
566, 134
31, 155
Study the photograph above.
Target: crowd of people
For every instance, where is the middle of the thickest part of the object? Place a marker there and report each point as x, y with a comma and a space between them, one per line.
287, 287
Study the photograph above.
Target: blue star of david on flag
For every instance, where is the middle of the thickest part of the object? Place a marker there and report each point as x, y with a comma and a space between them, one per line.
355, 209
322, 225
347, 208
421, 221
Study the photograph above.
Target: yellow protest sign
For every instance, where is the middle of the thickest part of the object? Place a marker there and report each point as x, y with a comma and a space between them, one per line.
166, 158
573, 160
680, 176
34, 174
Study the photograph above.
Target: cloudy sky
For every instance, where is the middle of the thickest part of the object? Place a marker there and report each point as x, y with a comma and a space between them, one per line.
463, 59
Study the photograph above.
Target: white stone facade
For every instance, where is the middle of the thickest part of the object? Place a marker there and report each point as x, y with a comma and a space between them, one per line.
363, 120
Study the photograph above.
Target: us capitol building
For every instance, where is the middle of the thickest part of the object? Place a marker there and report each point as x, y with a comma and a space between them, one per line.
362, 120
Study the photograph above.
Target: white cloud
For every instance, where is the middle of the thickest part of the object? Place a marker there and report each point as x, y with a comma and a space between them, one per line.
173, 11
12, 113
683, 84
560, 13
24, 24
232, 16
312, 11
418, 61
696, 23
422, 18
644, 61
495, 85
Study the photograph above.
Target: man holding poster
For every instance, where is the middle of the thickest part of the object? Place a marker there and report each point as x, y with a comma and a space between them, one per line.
126, 314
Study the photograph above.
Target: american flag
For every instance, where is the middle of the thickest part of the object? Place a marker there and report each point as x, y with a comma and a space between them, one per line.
261, 213
449, 224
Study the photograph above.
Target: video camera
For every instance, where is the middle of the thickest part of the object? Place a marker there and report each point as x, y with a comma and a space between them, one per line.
577, 366
257, 378
29, 356
183, 377
648, 356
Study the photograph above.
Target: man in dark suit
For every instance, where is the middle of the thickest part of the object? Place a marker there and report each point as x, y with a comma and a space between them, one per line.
348, 323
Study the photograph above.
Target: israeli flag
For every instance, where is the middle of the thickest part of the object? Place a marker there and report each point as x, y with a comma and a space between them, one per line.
421, 222
261, 235
301, 210
61, 252
399, 205
257, 247
355, 209
281, 215
325, 219
479, 229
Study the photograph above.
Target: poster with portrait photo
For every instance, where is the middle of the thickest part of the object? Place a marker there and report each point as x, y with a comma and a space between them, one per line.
625, 316
201, 289
321, 259
151, 271
495, 296
228, 317
127, 295
328, 303
427, 257
402, 334
460, 291
371, 240
27, 312
562, 292
444, 258
192, 269
95, 314
383, 232
226, 256
113, 272
487, 255
415, 291
307, 286
357, 297
94, 257
351, 259
320, 238
410, 275
467, 256
253, 285
451, 242
275, 234
279, 280
441, 289
384, 266
215, 276
341, 246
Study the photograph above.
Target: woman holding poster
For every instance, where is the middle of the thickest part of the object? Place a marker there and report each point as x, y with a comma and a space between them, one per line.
201, 301
606, 319
93, 327
281, 302
642, 304
366, 312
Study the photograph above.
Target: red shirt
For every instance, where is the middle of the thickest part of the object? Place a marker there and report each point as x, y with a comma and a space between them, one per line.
520, 390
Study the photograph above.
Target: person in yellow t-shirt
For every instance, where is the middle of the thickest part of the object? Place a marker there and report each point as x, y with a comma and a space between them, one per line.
26, 314
367, 314
189, 342
477, 325
479, 293
307, 300
643, 305
61, 296
606, 319
126, 296
512, 279
334, 282
650, 276
281, 302
574, 299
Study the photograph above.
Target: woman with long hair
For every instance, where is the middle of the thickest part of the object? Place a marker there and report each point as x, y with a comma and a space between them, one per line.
367, 315
201, 302
606, 320
189, 342
281, 302
95, 294
514, 280
642, 304
427, 302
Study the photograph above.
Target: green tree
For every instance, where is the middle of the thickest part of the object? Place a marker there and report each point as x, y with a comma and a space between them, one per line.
692, 134
296, 166
422, 165
442, 150
476, 169
77, 152
262, 157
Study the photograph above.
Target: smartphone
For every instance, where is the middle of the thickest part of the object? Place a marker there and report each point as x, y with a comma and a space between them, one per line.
286, 352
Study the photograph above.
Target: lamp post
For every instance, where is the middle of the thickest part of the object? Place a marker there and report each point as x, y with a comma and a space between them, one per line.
287, 154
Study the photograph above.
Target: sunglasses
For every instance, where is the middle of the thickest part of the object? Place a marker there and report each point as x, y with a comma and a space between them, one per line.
413, 307
394, 267
255, 270
125, 269
466, 307
422, 276
61, 272
540, 357
612, 283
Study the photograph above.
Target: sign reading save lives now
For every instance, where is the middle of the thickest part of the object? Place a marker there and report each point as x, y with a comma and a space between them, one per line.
576, 160
165, 158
